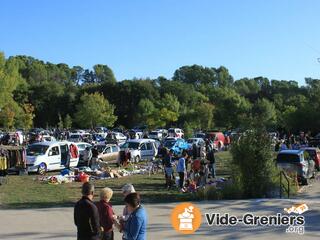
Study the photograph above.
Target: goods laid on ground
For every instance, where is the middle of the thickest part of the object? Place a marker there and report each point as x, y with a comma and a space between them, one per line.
84, 174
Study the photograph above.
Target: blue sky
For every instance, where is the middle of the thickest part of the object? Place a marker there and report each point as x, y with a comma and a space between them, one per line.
278, 39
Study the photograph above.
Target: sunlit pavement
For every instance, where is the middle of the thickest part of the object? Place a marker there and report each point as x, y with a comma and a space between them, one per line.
57, 223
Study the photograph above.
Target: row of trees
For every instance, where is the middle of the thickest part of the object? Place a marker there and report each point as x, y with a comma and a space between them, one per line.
42, 94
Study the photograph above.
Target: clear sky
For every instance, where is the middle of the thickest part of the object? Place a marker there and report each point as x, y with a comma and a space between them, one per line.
278, 39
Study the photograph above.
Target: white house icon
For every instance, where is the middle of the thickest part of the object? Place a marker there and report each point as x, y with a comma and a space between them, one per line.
186, 219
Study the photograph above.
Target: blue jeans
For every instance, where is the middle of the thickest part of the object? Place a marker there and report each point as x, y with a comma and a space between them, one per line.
212, 167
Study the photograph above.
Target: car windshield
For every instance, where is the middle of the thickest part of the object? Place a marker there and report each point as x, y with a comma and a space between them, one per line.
36, 150
171, 131
169, 144
81, 147
154, 133
191, 140
200, 135
131, 145
288, 158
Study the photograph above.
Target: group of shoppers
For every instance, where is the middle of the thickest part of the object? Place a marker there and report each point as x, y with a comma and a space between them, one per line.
191, 172
97, 220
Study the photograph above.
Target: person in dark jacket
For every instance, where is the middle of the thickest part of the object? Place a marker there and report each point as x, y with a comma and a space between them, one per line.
94, 158
106, 213
167, 163
212, 161
86, 215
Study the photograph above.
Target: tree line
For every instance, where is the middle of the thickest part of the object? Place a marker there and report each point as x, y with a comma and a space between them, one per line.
43, 94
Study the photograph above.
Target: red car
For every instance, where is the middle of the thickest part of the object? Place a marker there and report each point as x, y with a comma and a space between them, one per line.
315, 154
218, 139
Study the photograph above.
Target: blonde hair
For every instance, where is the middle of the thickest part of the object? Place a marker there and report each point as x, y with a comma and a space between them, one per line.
106, 194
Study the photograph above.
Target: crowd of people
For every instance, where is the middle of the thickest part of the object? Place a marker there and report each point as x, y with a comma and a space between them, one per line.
97, 220
193, 169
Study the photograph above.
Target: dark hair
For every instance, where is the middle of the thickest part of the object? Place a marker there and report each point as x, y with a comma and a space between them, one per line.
133, 199
87, 188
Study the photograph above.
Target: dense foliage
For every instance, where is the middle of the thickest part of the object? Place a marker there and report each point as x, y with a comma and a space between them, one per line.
42, 94
254, 161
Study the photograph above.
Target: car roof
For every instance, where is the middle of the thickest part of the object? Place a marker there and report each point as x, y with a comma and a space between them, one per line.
311, 148
170, 139
106, 145
52, 143
291, 151
83, 143
141, 140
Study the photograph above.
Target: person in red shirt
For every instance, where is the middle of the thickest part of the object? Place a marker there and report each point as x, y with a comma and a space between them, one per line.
196, 165
106, 213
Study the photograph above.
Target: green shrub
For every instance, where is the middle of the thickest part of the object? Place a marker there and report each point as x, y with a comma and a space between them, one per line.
253, 157
209, 193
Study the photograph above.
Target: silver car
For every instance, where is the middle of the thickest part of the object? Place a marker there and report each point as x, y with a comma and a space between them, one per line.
298, 162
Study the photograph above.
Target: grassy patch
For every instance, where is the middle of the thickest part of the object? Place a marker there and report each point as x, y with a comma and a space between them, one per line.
26, 192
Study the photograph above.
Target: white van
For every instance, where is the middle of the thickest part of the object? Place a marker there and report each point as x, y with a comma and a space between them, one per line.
141, 149
49, 156
175, 132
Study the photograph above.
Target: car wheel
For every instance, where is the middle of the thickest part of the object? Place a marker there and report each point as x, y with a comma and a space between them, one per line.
42, 169
137, 159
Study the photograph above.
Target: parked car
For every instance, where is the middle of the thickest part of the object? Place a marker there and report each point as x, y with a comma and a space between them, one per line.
49, 156
175, 132
97, 138
48, 138
198, 141
158, 134
118, 129
75, 137
296, 161
135, 134
217, 138
177, 145
81, 147
141, 149
101, 129
108, 152
116, 138
200, 135
315, 155
315, 142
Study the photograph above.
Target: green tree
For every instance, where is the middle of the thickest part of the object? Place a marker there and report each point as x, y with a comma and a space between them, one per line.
264, 111
254, 159
94, 110
168, 110
223, 78
195, 75
67, 121
204, 115
147, 113
103, 74
232, 109
9, 79
60, 123
27, 116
